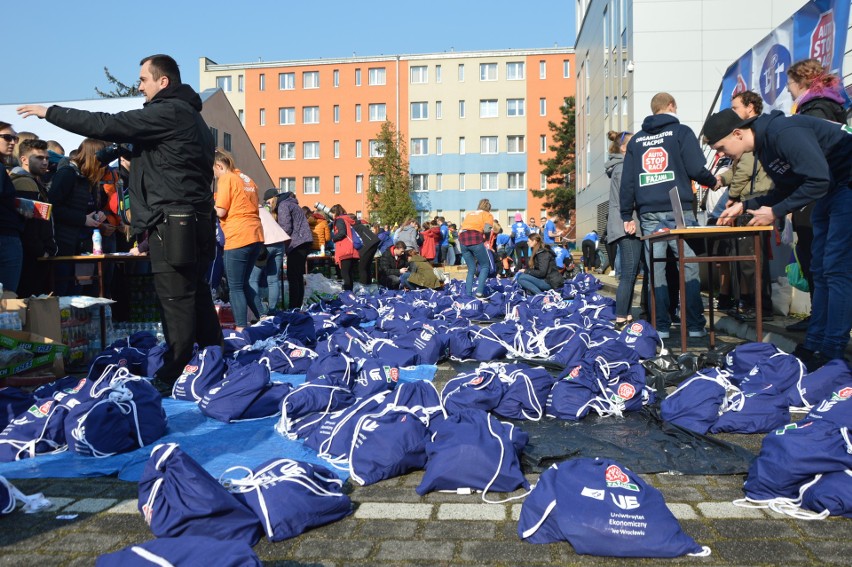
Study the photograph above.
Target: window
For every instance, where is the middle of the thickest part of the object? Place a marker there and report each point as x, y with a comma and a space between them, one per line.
310, 150
419, 146
488, 181
439, 182
357, 148
461, 146
287, 150
310, 80
439, 110
542, 107
287, 115
310, 115
241, 83
515, 71
286, 81
357, 113
566, 69
488, 144
261, 82
419, 74
378, 112
226, 141
224, 83
336, 184
336, 149
461, 72
335, 78
437, 73
263, 117
336, 113
420, 182
377, 182
542, 182
516, 180
287, 184
461, 181
241, 114
357, 77
488, 108
359, 183
374, 149
461, 109
515, 144
419, 110
488, 71
515, 107
542, 144
376, 76
311, 185
215, 132
439, 146
263, 152
542, 69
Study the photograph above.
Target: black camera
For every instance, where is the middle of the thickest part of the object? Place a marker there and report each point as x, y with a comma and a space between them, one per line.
743, 219
114, 151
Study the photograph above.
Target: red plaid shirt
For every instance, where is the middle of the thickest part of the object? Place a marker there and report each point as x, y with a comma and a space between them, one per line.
471, 237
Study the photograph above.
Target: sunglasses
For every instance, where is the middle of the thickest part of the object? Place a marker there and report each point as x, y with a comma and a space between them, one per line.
9, 138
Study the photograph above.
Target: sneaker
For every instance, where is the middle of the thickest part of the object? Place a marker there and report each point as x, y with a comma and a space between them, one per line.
619, 325
664, 334
800, 326
817, 361
698, 333
803, 354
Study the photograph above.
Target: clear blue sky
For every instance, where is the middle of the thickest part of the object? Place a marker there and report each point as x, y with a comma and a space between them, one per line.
57, 51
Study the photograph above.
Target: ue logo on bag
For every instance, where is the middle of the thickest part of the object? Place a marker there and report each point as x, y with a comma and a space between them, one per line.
626, 391
625, 502
615, 478
370, 425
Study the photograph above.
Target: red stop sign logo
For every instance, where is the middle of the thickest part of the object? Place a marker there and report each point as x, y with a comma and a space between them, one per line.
822, 39
655, 160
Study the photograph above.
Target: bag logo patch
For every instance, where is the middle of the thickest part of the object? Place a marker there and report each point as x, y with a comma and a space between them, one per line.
844, 394
636, 329
626, 391
298, 353
616, 478
595, 493
625, 502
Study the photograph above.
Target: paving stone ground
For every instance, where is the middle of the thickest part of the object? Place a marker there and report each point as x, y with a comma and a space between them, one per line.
394, 526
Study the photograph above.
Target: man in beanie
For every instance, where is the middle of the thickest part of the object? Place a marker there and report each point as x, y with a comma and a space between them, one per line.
809, 160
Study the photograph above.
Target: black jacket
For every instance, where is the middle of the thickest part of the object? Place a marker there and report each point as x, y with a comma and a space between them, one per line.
73, 197
645, 186
37, 237
389, 265
11, 223
806, 157
172, 160
544, 267
823, 108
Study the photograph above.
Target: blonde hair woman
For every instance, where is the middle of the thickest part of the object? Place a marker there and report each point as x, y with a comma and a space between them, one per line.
475, 229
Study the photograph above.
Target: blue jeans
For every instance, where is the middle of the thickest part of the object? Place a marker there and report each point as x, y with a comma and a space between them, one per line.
474, 255
12, 260
238, 265
629, 255
694, 306
532, 284
403, 280
831, 311
272, 272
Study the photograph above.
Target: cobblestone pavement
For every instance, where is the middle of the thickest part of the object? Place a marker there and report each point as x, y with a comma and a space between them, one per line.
392, 525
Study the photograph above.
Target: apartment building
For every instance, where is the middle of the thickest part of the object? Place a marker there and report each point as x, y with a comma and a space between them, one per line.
475, 123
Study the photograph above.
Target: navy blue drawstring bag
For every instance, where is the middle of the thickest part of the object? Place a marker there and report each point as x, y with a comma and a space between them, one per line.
332, 438
460, 343
819, 384
373, 376
569, 399
185, 550
290, 497
481, 389
525, 392
232, 398
421, 398
696, 403
831, 493
472, 450
783, 371
45, 392
488, 344
261, 330
743, 358
297, 325
602, 508
288, 358
268, 401
426, 343
142, 340
234, 341
178, 497
299, 407
331, 369
791, 456
13, 402
131, 358
38, 431
204, 370
387, 444
763, 408
642, 337
245, 357
155, 359
387, 350
835, 408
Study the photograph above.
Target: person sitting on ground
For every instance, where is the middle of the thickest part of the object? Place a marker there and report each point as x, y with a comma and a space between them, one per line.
421, 274
393, 263
541, 273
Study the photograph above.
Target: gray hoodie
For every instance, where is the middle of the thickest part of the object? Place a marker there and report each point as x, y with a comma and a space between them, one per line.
614, 224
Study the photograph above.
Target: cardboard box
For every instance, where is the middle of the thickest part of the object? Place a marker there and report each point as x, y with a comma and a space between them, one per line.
43, 317
46, 352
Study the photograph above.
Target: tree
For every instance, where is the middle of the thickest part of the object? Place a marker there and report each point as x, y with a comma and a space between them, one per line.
119, 89
559, 169
389, 192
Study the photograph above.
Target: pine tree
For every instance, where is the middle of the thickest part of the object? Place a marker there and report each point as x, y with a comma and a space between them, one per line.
559, 169
120, 89
389, 191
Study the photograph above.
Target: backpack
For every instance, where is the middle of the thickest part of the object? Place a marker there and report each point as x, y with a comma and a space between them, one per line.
365, 234
357, 243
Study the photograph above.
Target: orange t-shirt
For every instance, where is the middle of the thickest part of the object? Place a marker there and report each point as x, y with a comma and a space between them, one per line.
237, 194
476, 220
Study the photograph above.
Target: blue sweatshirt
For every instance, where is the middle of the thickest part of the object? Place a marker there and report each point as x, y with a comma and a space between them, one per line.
806, 157
662, 155
520, 232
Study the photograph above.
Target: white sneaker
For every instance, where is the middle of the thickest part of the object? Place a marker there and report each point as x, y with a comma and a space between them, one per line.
698, 334
663, 334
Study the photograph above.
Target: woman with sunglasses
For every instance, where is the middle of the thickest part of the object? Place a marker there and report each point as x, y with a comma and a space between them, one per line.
11, 223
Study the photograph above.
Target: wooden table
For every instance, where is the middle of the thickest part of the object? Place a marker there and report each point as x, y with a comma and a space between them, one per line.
708, 234
99, 261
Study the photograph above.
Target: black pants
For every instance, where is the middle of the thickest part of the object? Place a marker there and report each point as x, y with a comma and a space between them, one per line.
365, 263
590, 254
297, 259
348, 271
185, 301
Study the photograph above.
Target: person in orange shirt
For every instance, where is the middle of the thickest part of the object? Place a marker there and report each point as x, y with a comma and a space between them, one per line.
236, 207
475, 232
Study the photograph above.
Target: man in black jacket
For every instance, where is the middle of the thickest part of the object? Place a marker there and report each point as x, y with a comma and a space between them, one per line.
170, 178
809, 160
392, 264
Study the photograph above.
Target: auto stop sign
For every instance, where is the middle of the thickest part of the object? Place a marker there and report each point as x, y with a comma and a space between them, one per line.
654, 162
822, 39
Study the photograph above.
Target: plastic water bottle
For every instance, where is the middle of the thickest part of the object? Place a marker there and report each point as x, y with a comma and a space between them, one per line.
97, 243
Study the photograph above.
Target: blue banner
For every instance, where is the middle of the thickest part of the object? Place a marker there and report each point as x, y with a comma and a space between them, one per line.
816, 31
